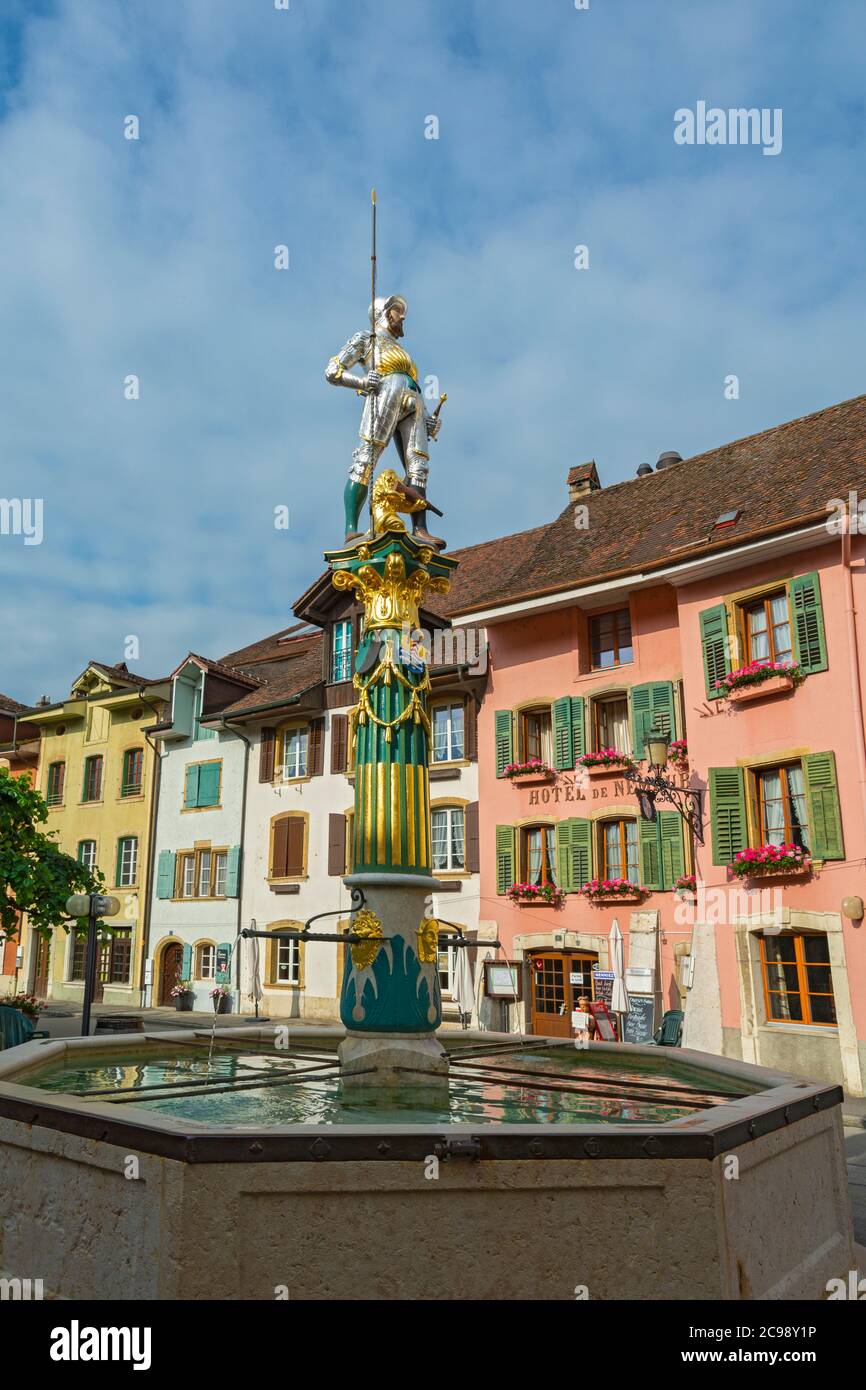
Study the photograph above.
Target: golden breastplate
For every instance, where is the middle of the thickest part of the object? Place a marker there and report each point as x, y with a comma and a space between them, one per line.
390, 357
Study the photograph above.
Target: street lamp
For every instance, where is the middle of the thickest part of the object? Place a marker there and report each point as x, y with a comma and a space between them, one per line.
652, 786
92, 906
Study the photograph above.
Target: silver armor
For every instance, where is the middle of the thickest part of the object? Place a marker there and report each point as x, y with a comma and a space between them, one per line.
396, 410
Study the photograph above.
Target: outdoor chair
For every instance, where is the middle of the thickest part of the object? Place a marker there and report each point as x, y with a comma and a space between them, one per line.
670, 1034
16, 1027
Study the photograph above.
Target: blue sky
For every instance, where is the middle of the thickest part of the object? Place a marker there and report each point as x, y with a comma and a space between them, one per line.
260, 127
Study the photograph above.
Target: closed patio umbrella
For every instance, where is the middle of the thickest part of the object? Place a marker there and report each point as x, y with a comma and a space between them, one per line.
619, 999
464, 987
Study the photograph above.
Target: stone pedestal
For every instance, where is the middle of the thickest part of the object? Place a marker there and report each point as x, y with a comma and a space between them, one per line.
392, 1059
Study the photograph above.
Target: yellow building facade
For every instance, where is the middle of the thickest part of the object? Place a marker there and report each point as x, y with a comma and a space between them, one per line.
97, 772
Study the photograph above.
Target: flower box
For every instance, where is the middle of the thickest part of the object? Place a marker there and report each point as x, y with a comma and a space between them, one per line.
527, 895
759, 678
612, 890
524, 774
604, 760
774, 871
773, 685
605, 899
599, 769
532, 779
771, 861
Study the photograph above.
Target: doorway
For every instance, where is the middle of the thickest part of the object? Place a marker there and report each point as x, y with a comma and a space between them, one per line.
170, 971
557, 980
42, 967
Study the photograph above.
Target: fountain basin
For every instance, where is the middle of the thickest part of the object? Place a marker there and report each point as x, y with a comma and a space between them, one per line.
744, 1198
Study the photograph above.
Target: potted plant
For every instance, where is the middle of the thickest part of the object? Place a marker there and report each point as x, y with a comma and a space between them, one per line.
759, 678
604, 760
26, 1004
686, 886
529, 770
183, 996
522, 893
603, 890
678, 752
220, 998
767, 860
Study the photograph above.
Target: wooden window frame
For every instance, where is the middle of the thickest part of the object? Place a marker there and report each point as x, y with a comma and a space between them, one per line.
195, 854
597, 618
93, 758
289, 878
609, 698
523, 832
765, 597
129, 790
448, 702
88, 840
803, 991
200, 948
272, 960
449, 805
601, 843
118, 866
756, 815
528, 712
349, 651
279, 759
56, 800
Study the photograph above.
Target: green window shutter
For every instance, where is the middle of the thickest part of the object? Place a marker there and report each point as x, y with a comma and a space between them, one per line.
578, 726
727, 813
209, 784
233, 869
581, 851
649, 844
825, 812
186, 967
714, 642
117, 859
673, 849
190, 790
223, 977
505, 857
504, 731
810, 646
165, 874
564, 856
640, 707
563, 741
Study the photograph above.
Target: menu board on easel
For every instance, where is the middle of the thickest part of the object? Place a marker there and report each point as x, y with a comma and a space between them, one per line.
638, 1026
602, 983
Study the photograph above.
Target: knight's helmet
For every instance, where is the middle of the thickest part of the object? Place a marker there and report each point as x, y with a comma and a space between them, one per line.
381, 306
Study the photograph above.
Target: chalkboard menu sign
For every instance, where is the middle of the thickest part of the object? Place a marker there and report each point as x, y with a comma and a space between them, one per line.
602, 981
639, 1019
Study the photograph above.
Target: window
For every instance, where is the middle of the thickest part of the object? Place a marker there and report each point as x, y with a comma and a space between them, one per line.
56, 782
767, 629
296, 752
87, 854
341, 651
448, 838
133, 762
448, 741
202, 785
119, 953
285, 960
205, 962
198, 733
127, 861
798, 986
610, 639
98, 720
619, 850
611, 723
288, 846
92, 789
201, 873
447, 969
538, 854
782, 807
78, 957
536, 739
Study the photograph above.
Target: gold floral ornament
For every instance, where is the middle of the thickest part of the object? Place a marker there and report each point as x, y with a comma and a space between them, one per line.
390, 599
365, 923
428, 940
388, 671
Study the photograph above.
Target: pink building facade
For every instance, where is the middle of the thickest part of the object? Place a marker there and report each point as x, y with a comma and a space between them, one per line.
596, 638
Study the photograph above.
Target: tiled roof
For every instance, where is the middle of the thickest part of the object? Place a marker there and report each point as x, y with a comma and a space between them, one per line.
120, 672
480, 566
776, 479
10, 706
219, 668
272, 648
299, 669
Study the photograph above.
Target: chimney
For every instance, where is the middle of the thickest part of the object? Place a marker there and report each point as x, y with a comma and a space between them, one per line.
43, 702
668, 460
644, 469
582, 479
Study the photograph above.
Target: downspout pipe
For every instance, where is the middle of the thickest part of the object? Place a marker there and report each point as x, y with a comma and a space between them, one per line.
233, 729
854, 667
151, 846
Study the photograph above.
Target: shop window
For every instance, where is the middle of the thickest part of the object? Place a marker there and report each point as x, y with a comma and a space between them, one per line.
798, 985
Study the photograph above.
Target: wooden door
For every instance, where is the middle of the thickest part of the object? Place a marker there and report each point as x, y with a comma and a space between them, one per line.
169, 975
103, 967
41, 968
557, 980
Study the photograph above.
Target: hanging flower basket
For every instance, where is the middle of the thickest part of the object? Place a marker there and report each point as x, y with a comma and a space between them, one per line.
531, 770
612, 890
605, 760
769, 860
526, 893
758, 679
686, 886
678, 753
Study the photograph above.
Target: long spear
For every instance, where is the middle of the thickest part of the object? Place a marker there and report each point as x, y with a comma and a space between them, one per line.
373, 357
